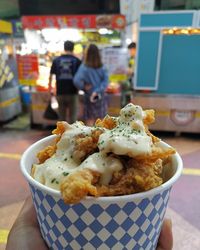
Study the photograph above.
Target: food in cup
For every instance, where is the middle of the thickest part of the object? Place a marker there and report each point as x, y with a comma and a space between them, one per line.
131, 221
117, 156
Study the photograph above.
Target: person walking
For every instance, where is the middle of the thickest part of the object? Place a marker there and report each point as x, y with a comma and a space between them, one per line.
65, 67
92, 78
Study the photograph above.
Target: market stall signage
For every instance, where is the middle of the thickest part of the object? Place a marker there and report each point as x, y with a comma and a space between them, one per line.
116, 62
74, 21
5, 27
17, 28
28, 69
133, 8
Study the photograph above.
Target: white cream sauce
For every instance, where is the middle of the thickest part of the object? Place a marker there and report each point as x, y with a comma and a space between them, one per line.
105, 165
62, 162
127, 138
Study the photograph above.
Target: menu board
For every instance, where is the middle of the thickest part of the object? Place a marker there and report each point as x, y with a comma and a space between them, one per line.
28, 69
116, 62
74, 21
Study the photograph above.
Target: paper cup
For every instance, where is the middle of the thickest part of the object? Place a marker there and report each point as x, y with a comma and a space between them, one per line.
117, 222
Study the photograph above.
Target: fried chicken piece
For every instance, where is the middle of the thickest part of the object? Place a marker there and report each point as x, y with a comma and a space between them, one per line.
149, 116
107, 122
147, 175
122, 187
157, 153
61, 127
79, 184
149, 119
46, 153
86, 145
137, 177
158, 167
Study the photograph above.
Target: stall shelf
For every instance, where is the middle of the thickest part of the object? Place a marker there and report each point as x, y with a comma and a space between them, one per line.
10, 103
167, 69
40, 100
177, 113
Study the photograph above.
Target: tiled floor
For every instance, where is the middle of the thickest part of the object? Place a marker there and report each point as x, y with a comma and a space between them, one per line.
184, 205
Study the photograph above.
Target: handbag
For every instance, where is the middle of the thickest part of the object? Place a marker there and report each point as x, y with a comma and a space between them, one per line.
95, 98
50, 113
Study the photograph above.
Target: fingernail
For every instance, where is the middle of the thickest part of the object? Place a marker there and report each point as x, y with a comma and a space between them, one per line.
169, 222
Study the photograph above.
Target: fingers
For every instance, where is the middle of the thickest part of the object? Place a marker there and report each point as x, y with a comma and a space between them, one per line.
28, 214
165, 241
25, 233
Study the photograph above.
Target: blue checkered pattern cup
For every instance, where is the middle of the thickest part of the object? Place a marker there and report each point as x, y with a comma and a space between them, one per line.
117, 222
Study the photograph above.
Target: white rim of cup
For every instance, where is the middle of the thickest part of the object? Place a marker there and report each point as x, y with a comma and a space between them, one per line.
109, 199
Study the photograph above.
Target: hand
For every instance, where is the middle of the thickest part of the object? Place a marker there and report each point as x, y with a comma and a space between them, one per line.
25, 233
94, 97
165, 241
52, 93
87, 86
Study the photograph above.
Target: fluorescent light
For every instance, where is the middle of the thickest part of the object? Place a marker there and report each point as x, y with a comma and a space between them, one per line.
70, 34
103, 31
50, 34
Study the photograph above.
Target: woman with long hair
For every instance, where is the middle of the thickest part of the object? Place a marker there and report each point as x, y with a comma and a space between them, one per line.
92, 78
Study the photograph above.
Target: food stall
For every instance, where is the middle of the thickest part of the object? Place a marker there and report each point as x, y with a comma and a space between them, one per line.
10, 103
46, 35
116, 62
167, 69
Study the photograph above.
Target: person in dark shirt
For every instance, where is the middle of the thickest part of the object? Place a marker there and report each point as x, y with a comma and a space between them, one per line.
65, 67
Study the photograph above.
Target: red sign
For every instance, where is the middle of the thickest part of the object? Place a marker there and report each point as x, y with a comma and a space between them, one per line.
28, 69
73, 21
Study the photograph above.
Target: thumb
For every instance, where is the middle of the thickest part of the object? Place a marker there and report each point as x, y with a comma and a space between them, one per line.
165, 241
